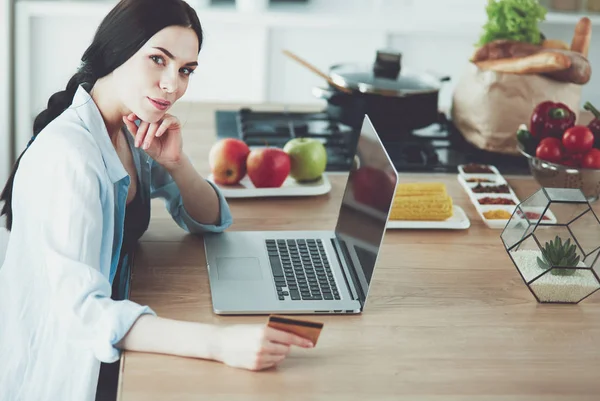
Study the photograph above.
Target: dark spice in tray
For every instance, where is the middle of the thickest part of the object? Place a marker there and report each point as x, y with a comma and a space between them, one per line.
490, 189
479, 180
495, 201
477, 168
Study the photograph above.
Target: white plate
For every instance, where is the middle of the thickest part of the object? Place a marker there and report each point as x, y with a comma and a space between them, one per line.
458, 221
290, 187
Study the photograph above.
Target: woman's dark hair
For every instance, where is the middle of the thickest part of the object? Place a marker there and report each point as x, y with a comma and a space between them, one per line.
125, 29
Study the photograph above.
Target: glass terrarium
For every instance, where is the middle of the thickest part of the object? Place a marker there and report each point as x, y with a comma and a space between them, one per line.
553, 238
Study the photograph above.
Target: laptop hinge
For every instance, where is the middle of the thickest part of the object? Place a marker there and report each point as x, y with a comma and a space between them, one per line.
349, 278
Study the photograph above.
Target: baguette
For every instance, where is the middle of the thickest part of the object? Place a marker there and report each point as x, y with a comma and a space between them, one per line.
555, 44
541, 62
579, 72
503, 48
582, 36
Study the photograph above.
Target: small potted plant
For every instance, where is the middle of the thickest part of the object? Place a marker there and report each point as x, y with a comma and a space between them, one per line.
553, 239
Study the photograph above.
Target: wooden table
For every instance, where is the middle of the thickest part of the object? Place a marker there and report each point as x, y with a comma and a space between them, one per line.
448, 317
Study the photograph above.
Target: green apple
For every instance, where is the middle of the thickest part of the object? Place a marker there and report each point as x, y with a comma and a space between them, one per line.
308, 157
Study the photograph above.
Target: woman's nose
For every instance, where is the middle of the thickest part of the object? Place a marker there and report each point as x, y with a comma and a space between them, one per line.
168, 83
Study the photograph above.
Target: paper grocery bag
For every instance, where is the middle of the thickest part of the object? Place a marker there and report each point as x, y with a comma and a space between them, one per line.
488, 106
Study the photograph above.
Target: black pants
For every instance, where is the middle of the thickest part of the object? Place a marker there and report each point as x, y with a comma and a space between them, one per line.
108, 379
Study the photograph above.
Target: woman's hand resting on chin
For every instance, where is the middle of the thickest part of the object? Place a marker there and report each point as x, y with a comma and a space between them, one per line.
254, 347
161, 141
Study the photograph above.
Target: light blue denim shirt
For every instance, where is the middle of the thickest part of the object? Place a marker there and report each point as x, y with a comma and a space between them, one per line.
57, 318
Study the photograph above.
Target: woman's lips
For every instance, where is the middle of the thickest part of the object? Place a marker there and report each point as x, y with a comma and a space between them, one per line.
162, 105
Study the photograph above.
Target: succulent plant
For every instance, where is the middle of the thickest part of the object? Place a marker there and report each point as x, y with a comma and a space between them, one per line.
557, 253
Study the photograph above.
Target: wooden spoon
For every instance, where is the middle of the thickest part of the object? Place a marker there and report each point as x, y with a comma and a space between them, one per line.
316, 71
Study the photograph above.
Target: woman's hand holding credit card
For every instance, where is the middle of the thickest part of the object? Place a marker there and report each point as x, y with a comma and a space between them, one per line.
301, 327
258, 347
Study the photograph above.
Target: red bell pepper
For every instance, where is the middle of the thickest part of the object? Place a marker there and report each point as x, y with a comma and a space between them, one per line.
594, 125
551, 119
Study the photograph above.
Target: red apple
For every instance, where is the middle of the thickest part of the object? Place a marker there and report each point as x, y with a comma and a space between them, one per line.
227, 161
373, 187
268, 167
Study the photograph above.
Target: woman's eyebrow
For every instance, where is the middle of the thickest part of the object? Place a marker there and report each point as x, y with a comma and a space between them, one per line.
169, 55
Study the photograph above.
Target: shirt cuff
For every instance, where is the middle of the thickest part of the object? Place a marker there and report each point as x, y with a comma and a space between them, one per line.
115, 327
194, 226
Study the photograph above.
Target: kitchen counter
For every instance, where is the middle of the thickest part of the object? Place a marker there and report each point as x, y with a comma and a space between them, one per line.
448, 316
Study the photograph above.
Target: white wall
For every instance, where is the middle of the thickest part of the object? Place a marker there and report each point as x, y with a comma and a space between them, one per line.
5, 133
5, 110
242, 61
3, 241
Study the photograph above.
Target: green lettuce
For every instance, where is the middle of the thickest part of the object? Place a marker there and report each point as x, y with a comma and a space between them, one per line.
513, 20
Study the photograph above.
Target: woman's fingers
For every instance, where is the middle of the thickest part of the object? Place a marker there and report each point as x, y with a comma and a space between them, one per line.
275, 348
284, 337
145, 133
150, 136
267, 361
141, 133
130, 125
164, 126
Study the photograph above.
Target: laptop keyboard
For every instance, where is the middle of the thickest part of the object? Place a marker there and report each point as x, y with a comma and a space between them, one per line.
301, 270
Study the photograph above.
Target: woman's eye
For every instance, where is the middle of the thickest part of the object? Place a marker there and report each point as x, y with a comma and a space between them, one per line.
187, 71
158, 60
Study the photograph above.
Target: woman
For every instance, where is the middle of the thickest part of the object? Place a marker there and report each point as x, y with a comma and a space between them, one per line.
79, 198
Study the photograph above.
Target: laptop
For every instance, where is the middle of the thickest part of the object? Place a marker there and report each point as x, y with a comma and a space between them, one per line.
310, 272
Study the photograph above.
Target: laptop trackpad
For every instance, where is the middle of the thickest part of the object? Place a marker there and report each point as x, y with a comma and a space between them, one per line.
238, 268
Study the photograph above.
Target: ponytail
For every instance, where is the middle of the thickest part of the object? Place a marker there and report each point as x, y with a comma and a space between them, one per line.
57, 104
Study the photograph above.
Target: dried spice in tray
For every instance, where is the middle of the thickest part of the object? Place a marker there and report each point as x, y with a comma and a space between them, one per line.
497, 214
490, 189
496, 201
534, 216
477, 168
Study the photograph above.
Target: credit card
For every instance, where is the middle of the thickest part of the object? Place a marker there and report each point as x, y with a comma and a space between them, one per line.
303, 328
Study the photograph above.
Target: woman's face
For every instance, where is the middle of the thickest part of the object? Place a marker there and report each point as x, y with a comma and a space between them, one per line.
155, 77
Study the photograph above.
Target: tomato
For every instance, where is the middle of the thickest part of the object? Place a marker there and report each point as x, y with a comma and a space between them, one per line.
550, 149
578, 139
591, 159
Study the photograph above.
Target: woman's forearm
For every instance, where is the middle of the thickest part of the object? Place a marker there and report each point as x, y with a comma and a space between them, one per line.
166, 336
199, 197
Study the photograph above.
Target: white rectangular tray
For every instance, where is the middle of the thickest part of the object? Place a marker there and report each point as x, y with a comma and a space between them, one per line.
494, 223
473, 197
495, 171
290, 187
458, 221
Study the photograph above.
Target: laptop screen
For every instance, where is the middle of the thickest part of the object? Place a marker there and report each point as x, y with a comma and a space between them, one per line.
366, 205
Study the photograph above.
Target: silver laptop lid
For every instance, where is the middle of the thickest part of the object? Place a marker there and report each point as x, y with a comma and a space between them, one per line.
366, 206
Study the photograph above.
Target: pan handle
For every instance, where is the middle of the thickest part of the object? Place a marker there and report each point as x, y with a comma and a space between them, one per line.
441, 78
323, 93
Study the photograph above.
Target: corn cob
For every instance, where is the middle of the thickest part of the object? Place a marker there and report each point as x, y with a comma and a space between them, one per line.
420, 188
422, 207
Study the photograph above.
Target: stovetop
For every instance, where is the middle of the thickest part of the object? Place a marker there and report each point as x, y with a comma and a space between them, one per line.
437, 148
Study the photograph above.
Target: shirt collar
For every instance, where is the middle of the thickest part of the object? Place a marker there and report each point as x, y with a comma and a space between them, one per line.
89, 113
